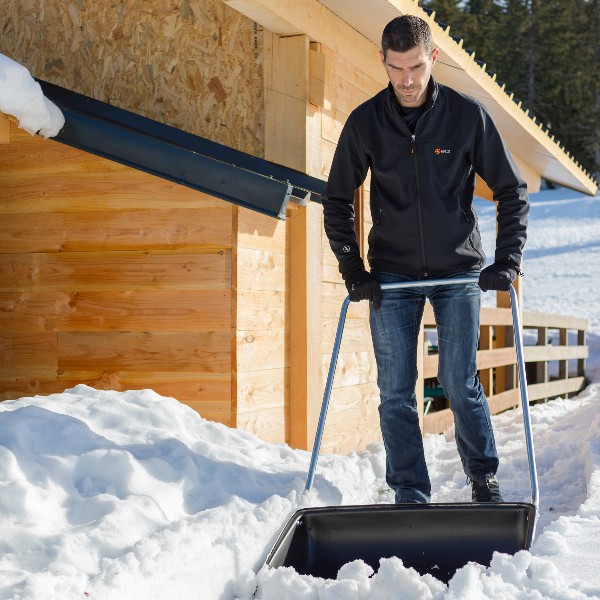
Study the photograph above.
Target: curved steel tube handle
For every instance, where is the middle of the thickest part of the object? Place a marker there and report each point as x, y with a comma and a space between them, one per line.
520, 360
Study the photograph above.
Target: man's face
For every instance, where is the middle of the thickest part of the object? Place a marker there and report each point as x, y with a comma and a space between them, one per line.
409, 73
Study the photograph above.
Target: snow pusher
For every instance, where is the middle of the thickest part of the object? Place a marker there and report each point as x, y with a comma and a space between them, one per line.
435, 538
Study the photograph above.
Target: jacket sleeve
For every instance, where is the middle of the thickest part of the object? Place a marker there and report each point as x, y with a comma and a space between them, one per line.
493, 162
348, 171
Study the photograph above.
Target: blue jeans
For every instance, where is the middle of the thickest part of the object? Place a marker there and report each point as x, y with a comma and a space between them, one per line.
395, 329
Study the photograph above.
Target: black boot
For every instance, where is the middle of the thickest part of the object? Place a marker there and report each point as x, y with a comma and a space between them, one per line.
487, 490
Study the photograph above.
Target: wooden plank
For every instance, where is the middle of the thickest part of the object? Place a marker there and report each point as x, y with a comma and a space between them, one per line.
261, 270
353, 368
76, 192
36, 156
258, 350
546, 353
357, 77
206, 393
86, 271
261, 232
262, 389
333, 296
327, 152
184, 386
441, 420
261, 309
118, 310
487, 317
347, 96
219, 412
356, 335
144, 229
353, 419
552, 321
486, 359
27, 350
314, 147
555, 388
504, 401
320, 77
208, 351
269, 424
305, 324
286, 98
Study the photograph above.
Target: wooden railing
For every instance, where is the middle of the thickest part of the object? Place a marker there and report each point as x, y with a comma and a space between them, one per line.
554, 349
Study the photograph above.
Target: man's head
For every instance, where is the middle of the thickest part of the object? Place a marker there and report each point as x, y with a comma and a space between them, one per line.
408, 56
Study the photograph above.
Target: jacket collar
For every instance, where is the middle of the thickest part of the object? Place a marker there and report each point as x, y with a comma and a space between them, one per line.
432, 94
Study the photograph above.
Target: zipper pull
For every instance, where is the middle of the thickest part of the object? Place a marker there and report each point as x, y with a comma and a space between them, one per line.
412, 143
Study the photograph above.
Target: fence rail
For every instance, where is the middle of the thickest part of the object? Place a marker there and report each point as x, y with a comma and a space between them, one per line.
555, 351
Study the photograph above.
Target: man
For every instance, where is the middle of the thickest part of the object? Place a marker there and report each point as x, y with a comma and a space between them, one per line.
423, 143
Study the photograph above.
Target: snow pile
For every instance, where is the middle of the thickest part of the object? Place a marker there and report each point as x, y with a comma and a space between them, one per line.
109, 495
22, 97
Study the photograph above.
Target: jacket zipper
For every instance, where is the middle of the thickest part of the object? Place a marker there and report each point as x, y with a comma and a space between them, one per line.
413, 145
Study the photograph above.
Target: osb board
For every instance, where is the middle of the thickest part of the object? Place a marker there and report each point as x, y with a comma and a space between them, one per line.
193, 64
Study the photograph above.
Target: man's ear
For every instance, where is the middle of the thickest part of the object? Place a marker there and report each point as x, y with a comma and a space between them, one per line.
434, 56
382, 56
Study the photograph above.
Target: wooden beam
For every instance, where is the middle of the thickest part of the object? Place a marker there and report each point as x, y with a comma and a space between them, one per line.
555, 388
305, 324
287, 136
286, 73
321, 75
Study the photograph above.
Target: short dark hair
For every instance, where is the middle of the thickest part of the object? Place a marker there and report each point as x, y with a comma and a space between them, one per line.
404, 33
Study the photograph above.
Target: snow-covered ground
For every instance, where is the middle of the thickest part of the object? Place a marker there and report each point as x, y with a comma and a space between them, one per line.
109, 496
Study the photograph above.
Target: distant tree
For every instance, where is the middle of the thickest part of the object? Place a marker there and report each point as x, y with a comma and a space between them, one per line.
547, 52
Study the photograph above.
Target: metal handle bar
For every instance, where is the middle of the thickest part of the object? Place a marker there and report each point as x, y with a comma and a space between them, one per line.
520, 360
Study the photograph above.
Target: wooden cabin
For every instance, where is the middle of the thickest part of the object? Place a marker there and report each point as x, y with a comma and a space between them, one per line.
124, 266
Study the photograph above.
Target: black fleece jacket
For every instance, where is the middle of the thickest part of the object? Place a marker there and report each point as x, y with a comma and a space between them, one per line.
421, 192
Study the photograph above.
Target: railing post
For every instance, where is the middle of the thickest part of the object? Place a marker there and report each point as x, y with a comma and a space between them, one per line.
563, 365
581, 361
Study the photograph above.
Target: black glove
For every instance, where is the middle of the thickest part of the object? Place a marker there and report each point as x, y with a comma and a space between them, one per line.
498, 276
361, 285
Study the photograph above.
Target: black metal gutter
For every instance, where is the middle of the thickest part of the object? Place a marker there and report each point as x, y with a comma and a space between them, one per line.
178, 156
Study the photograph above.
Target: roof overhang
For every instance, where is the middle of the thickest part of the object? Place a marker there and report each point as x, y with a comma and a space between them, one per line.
352, 28
178, 156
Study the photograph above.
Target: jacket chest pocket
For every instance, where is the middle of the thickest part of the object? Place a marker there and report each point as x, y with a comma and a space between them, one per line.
447, 165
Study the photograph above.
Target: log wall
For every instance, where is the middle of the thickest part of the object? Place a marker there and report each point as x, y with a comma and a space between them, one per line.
111, 277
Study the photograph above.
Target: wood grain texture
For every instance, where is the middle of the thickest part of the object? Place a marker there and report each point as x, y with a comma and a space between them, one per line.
90, 231
100, 271
119, 310
202, 351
